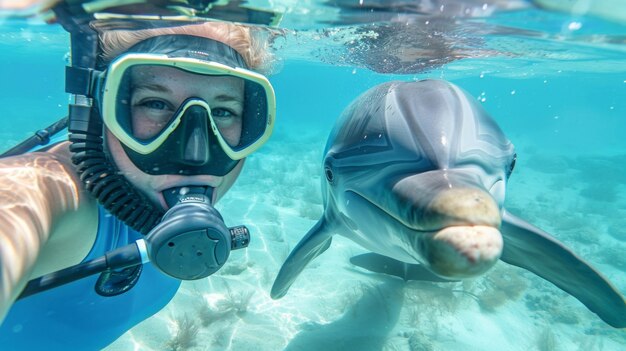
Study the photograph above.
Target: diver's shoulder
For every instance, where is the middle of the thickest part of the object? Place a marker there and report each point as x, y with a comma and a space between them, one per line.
54, 160
59, 152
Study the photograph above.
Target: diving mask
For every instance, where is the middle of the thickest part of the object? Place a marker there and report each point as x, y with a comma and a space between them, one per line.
184, 105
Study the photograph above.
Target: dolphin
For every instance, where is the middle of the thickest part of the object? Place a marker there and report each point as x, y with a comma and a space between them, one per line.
416, 173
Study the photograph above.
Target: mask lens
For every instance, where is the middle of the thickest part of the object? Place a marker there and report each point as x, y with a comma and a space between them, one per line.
152, 99
144, 106
254, 123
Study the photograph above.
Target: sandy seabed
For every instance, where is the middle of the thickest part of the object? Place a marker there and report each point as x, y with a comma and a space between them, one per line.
336, 306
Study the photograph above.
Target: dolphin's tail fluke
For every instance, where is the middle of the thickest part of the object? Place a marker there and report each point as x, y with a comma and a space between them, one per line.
314, 243
531, 248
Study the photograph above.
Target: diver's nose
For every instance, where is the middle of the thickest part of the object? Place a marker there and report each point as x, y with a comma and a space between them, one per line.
195, 147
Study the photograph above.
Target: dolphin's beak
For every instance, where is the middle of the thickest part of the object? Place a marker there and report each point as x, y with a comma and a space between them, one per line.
456, 221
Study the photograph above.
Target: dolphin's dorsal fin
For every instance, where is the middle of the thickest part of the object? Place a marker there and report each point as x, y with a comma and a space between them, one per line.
314, 243
387, 265
531, 248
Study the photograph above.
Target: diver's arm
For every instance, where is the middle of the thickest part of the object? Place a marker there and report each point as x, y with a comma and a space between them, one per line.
36, 190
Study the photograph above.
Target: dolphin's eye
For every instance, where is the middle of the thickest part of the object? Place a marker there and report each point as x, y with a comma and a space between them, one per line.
512, 166
329, 174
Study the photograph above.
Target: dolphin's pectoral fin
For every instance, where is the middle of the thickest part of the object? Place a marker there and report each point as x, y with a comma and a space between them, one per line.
383, 264
531, 248
314, 243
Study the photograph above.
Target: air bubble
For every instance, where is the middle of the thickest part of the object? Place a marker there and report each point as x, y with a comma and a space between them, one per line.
574, 26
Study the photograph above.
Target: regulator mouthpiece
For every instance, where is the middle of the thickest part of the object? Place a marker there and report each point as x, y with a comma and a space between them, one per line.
192, 241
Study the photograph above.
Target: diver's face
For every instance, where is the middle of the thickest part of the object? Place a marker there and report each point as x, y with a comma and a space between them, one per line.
156, 94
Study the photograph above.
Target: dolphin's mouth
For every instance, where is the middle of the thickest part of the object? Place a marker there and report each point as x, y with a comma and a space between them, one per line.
456, 234
463, 251
429, 213
396, 216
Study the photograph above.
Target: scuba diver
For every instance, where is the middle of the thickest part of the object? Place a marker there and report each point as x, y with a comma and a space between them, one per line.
163, 115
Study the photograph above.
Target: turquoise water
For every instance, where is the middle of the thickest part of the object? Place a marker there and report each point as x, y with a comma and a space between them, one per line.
560, 96
33, 61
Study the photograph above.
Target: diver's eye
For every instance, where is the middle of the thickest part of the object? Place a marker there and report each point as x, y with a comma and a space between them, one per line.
154, 104
152, 110
222, 113
148, 116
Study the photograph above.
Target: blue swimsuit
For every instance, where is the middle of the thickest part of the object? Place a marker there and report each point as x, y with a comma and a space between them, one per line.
74, 317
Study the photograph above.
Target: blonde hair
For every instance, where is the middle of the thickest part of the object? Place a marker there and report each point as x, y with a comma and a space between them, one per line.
241, 38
